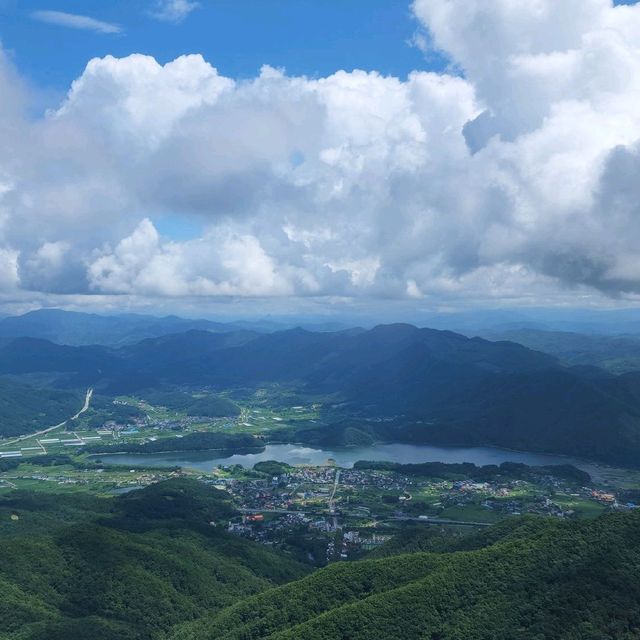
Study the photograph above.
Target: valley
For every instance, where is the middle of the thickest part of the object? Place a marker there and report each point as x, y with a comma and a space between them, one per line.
233, 464
392, 384
331, 504
228, 437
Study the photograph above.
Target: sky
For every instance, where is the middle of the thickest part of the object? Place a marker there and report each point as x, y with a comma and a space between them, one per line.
238, 37
295, 156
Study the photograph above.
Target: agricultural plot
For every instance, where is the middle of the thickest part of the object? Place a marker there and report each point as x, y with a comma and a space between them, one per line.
130, 420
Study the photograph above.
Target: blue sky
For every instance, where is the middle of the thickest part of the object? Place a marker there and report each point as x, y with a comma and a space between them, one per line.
237, 36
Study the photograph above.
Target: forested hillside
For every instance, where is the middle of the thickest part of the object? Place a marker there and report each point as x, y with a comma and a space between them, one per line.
394, 383
158, 564
528, 579
128, 568
617, 354
208, 406
24, 408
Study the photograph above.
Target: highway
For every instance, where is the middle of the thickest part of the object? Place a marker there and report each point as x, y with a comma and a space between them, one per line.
465, 523
432, 521
85, 406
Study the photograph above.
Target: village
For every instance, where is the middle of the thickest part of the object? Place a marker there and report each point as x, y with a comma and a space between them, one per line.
344, 512
329, 513
321, 511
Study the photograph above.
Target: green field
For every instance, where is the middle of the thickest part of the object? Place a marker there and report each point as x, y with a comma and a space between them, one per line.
270, 414
109, 425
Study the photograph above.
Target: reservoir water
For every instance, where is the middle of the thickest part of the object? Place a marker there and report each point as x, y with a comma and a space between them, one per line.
345, 457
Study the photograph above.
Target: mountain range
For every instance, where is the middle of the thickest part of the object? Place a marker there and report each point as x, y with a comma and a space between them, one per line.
391, 383
617, 354
79, 328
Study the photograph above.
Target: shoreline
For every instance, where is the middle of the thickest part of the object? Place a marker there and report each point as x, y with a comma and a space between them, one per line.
251, 450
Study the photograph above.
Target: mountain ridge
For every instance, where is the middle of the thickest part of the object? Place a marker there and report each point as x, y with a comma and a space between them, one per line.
432, 387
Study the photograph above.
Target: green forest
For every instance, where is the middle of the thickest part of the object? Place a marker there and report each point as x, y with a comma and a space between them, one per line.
209, 406
529, 579
158, 564
24, 409
129, 568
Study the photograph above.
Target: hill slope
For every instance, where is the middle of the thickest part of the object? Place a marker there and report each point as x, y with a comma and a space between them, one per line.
129, 568
149, 566
430, 386
525, 580
617, 354
24, 409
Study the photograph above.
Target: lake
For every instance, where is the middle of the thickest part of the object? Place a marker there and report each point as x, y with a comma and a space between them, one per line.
345, 457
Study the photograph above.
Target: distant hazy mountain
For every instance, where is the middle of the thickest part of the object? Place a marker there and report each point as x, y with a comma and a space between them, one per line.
431, 386
589, 321
74, 328
80, 329
618, 354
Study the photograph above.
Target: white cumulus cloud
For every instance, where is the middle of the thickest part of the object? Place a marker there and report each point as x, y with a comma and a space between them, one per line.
514, 177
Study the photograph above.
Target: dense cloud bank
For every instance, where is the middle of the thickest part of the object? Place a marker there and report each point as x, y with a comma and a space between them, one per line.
513, 176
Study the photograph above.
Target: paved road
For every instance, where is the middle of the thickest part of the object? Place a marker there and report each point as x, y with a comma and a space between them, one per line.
85, 406
392, 518
440, 521
335, 488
